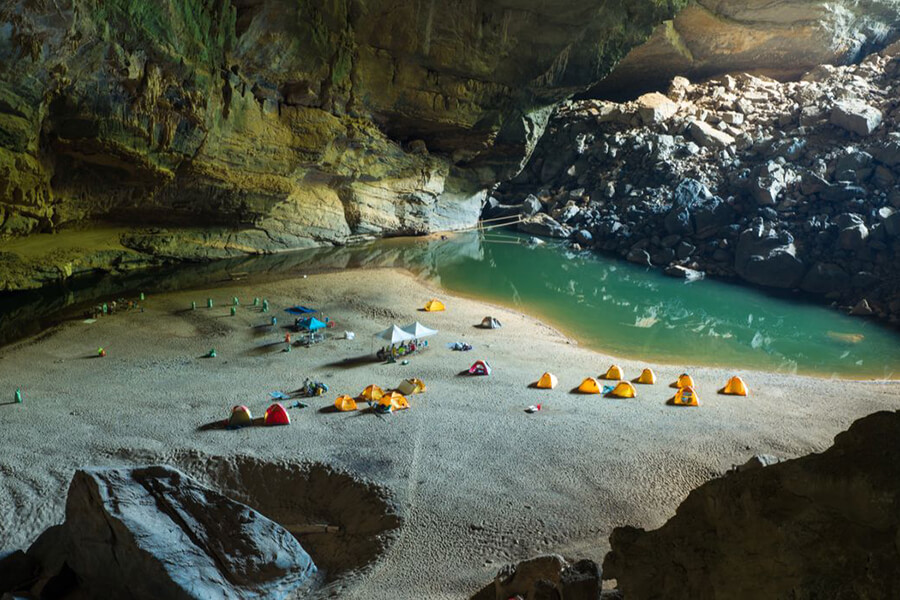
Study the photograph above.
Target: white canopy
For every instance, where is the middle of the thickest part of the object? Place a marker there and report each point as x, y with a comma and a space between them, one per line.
394, 335
418, 331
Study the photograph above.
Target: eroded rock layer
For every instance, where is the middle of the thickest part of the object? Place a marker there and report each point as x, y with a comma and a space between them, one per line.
290, 123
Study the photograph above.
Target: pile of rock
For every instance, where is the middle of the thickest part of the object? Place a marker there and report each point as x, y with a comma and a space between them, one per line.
788, 185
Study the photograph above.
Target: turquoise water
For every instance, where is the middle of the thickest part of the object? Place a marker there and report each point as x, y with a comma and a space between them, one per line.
606, 304
634, 312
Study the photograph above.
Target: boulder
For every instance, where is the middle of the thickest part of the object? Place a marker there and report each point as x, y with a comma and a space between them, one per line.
856, 117
153, 532
768, 257
546, 577
853, 237
821, 526
544, 225
638, 257
696, 211
862, 309
892, 225
531, 206
655, 108
825, 278
708, 136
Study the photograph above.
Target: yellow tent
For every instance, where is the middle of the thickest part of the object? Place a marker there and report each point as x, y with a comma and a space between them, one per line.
345, 403
434, 305
647, 376
590, 386
684, 380
240, 417
372, 393
623, 390
394, 400
411, 386
547, 381
686, 397
735, 387
614, 372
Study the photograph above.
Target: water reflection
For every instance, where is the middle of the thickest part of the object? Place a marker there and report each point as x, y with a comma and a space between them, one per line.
608, 305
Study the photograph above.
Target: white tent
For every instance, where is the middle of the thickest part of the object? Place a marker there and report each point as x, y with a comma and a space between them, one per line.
394, 335
418, 331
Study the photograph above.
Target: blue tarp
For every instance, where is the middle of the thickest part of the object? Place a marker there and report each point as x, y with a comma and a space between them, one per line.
300, 310
310, 324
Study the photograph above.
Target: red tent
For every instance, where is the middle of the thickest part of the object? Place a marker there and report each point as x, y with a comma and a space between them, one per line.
276, 415
480, 367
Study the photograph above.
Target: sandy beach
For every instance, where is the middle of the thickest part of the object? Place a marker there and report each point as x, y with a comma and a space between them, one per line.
461, 483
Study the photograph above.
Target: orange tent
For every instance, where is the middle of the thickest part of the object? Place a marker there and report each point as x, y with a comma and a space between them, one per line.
277, 415
240, 417
684, 380
345, 403
372, 393
647, 377
547, 381
614, 372
735, 387
394, 400
686, 397
623, 390
590, 386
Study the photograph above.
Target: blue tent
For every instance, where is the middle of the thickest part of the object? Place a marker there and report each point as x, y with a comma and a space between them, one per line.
310, 324
300, 310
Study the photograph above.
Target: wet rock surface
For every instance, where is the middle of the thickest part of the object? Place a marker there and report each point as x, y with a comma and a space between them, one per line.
784, 185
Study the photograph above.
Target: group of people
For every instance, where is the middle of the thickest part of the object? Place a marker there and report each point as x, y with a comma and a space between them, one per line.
392, 352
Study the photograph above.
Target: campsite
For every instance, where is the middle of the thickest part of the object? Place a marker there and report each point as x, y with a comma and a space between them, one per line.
454, 469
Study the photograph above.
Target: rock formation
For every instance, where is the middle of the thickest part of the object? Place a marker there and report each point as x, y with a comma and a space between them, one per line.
153, 532
784, 185
822, 526
284, 124
782, 40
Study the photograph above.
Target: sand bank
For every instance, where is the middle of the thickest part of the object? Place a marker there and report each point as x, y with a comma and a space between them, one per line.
475, 480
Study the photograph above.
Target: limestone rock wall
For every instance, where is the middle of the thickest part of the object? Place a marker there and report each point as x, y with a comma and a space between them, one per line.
782, 40
296, 122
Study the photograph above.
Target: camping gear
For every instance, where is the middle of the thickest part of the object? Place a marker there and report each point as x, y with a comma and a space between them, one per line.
647, 377
345, 403
349, 335
101, 352
18, 396
547, 381
312, 388
411, 386
279, 396
240, 417
418, 331
309, 324
589, 386
209, 303
686, 397
624, 389
614, 372
395, 400
735, 387
460, 346
372, 393
298, 404
480, 367
276, 415
490, 323
434, 305
394, 335
533, 408
211, 353
300, 310
684, 380
287, 348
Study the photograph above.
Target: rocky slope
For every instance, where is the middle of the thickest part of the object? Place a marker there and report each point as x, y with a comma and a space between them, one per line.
821, 526
782, 40
784, 185
278, 125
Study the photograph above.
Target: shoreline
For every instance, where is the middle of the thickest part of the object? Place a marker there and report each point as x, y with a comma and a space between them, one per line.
477, 481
